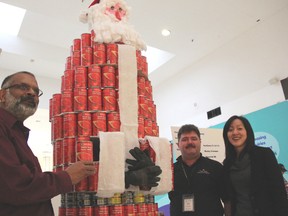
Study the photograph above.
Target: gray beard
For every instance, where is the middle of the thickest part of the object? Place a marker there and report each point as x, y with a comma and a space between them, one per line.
19, 110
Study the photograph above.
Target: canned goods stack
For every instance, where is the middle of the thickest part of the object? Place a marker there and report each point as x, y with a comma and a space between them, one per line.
88, 204
86, 105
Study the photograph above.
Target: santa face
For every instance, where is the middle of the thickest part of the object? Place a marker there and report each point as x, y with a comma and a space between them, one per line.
116, 10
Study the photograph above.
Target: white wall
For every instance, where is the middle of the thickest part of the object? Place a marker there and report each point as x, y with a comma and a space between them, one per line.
234, 77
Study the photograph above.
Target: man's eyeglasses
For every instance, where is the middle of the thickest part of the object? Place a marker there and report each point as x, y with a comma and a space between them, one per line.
26, 87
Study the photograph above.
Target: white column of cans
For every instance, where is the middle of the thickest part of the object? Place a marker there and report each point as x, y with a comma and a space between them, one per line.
86, 105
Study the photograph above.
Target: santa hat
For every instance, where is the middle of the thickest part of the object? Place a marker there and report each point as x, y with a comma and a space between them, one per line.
94, 2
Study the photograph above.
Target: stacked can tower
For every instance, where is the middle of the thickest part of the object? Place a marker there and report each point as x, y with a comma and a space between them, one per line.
87, 104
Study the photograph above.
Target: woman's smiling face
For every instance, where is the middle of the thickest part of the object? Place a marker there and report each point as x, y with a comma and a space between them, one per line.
237, 135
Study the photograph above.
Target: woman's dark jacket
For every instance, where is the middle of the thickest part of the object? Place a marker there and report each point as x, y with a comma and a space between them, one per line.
268, 196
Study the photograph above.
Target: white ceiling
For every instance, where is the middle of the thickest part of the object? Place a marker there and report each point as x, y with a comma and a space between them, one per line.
198, 28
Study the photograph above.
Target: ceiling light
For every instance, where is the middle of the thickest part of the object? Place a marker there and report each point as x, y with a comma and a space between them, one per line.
11, 18
165, 32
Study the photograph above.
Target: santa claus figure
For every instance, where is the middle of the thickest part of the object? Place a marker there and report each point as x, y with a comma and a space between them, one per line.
108, 19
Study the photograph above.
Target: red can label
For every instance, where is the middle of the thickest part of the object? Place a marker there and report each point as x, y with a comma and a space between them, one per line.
84, 127
80, 77
80, 99
94, 99
141, 130
56, 104
67, 101
68, 80
113, 121
116, 210
94, 76
57, 125
148, 127
76, 44
68, 150
98, 123
99, 53
69, 125
148, 89
109, 99
112, 53
75, 62
68, 63
58, 151
142, 106
141, 85
84, 151
102, 210
85, 211
86, 56
108, 76
85, 40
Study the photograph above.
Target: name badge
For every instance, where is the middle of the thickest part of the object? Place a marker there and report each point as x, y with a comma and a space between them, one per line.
188, 203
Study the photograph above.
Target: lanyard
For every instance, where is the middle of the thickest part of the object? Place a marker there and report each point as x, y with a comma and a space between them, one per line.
184, 171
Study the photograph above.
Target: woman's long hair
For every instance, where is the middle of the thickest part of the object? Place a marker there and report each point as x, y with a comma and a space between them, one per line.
229, 148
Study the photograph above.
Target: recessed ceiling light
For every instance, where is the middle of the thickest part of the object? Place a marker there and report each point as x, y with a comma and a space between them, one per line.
166, 32
11, 18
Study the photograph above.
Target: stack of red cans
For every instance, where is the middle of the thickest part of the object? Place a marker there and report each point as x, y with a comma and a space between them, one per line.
88, 104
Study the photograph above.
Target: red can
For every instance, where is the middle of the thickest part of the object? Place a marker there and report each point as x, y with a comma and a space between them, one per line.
155, 129
93, 179
101, 210
68, 63
148, 89
84, 151
57, 125
141, 130
113, 121
94, 99
67, 101
108, 76
68, 79
80, 77
85, 40
99, 53
109, 99
80, 99
86, 57
76, 53
141, 85
69, 124
98, 123
130, 210
84, 127
75, 62
94, 76
69, 150
141, 208
76, 44
148, 127
116, 210
56, 104
144, 66
149, 108
58, 149
112, 53
142, 106
85, 211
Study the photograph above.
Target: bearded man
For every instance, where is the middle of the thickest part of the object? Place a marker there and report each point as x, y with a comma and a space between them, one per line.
24, 188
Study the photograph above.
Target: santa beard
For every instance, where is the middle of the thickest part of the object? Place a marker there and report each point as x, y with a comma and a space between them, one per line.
17, 108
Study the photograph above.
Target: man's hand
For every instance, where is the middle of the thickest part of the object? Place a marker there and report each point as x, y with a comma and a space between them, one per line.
147, 177
142, 159
80, 170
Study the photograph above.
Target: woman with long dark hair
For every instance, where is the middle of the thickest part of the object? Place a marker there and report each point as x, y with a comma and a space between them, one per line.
254, 181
